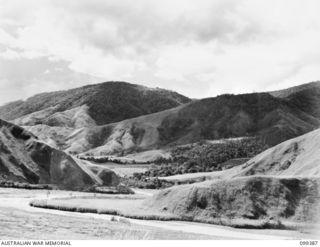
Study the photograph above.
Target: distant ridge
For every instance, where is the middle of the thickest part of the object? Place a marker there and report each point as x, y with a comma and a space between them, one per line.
283, 93
272, 119
78, 125
106, 103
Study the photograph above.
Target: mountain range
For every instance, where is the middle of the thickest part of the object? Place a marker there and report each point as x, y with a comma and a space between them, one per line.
121, 118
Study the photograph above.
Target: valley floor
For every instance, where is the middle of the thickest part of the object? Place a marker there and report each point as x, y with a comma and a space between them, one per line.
20, 221
121, 169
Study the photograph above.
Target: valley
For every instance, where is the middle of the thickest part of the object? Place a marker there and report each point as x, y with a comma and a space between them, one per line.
159, 120
229, 167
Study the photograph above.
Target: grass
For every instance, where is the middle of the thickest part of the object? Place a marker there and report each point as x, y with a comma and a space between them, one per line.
130, 208
133, 208
19, 185
120, 189
257, 202
59, 227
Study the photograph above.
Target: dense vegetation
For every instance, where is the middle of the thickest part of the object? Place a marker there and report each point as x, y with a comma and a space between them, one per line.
206, 157
108, 102
198, 157
19, 185
143, 182
105, 159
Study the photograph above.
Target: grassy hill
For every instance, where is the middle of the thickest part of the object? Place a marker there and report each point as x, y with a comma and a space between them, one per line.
106, 103
278, 188
249, 202
284, 93
291, 113
238, 115
271, 119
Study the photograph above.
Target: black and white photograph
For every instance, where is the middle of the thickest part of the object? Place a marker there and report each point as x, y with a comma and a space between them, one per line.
159, 120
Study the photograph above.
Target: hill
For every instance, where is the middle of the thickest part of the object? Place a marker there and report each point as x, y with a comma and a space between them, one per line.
283, 93
272, 119
295, 157
23, 158
93, 104
248, 202
282, 183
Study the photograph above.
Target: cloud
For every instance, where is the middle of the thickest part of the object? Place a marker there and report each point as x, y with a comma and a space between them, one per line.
31, 76
199, 48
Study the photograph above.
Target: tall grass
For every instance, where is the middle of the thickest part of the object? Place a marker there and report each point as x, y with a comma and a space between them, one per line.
236, 223
19, 185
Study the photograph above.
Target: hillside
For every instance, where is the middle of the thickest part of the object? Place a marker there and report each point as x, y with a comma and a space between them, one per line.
272, 119
203, 157
23, 158
282, 183
244, 201
295, 157
272, 195
296, 89
98, 104
304, 97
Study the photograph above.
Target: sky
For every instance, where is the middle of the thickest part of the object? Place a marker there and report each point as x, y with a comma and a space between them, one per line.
200, 48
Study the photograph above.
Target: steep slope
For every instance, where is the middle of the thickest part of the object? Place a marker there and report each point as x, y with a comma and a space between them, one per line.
296, 157
245, 201
304, 97
23, 158
282, 183
238, 115
54, 136
307, 100
124, 137
260, 114
77, 117
104, 103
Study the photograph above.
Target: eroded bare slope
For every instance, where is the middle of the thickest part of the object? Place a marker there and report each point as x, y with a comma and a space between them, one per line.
24, 158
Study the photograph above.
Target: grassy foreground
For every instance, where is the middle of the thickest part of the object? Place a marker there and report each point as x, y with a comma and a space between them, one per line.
135, 208
19, 221
130, 207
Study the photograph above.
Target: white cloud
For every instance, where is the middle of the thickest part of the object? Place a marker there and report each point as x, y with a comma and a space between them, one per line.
200, 48
182, 61
10, 54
